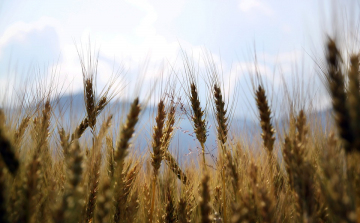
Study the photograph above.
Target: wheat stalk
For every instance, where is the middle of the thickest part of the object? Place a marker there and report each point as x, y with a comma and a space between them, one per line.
168, 132
169, 216
93, 166
222, 131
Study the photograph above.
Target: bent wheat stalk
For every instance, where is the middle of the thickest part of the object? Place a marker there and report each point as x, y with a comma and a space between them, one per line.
168, 133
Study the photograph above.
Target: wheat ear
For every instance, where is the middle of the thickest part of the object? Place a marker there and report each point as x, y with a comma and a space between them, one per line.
41, 134
146, 202
300, 170
339, 99
122, 146
185, 205
21, 130
89, 93
110, 157
265, 120
204, 202
121, 197
354, 99
267, 128
4, 216
84, 124
67, 210
31, 183
173, 165
335, 188
197, 118
170, 214
221, 117
181, 212
6, 149
222, 131
233, 172
169, 128
103, 207
157, 154
127, 131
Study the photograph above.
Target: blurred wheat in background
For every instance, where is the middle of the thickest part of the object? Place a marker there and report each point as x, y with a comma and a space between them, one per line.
297, 167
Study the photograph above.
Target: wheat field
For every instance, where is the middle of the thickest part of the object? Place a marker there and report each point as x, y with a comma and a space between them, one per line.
51, 173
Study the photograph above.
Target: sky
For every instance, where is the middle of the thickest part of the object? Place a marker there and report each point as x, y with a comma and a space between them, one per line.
43, 38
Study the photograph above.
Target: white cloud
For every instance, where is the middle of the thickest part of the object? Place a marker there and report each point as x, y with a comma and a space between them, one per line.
252, 68
283, 57
115, 50
255, 5
19, 31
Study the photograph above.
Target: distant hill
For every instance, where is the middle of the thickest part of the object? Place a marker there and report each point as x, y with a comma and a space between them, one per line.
72, 107
69, 110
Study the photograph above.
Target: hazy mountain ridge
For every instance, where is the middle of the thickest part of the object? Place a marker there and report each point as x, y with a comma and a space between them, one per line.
184, 138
